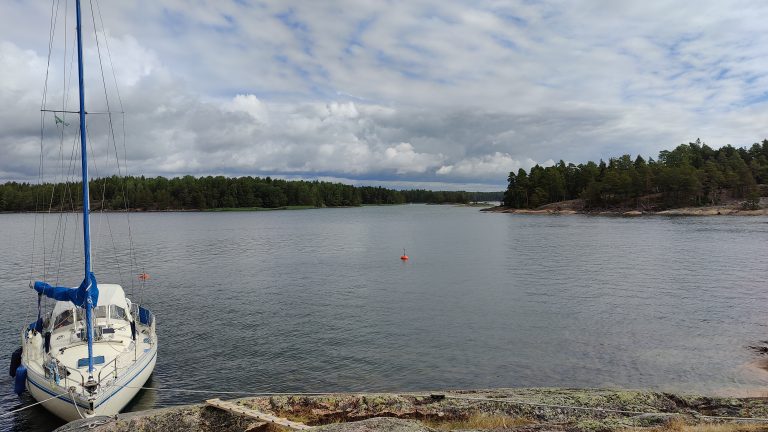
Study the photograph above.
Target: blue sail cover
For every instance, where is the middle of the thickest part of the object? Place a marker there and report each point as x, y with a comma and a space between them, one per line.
79, 296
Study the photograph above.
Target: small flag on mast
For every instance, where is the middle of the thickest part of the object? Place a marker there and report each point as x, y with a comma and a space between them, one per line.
60, 121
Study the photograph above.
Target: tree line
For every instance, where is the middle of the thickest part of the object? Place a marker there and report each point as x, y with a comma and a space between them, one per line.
203, 193
692, 174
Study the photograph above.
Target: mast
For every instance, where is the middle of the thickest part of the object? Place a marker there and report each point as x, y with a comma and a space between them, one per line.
86, 201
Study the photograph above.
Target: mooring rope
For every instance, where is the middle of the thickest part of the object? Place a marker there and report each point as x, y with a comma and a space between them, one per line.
29, 406
246, 393
74, 402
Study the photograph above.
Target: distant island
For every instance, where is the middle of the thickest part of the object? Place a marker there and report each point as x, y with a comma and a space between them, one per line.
691, 179
215, 193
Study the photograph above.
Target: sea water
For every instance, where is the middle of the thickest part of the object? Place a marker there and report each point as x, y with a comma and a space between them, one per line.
319, 300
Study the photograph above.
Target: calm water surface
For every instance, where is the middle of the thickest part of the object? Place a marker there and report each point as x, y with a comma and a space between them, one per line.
318, 300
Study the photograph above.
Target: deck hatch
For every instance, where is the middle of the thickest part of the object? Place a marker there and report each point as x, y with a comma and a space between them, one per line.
97, 360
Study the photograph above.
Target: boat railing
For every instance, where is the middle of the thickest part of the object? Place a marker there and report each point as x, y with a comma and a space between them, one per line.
113, 372
119, 364
110, 371
69, 371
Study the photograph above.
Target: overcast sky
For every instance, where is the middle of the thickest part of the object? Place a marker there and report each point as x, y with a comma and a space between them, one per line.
435, 94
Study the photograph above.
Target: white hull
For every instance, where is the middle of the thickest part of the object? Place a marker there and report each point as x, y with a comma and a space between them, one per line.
122, 354
109, 400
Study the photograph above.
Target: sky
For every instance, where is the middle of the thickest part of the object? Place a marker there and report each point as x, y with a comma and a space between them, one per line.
429, 94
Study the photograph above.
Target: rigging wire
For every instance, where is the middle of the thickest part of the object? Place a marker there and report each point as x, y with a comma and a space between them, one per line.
51, 33
132, 261
67, 193
44, 98
66, 174
61, 134
56, 252
110, 135
105, 215
42, 126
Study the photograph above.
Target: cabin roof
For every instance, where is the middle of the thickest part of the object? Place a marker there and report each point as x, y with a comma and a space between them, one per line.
108, 294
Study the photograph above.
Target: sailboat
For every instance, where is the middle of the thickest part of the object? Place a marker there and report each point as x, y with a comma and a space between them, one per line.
95, 350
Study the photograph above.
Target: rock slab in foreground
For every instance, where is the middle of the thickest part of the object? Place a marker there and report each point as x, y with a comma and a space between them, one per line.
524, 410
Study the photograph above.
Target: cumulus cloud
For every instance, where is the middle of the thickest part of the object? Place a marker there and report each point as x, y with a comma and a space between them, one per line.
488, 167
252, 105
404, 160
424, 92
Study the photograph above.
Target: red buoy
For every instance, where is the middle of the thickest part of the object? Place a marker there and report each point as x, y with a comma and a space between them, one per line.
143, 276
404, 257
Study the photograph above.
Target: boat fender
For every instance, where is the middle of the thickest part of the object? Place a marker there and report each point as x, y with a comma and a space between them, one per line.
133, 330
15, 362
47, 342
21, 380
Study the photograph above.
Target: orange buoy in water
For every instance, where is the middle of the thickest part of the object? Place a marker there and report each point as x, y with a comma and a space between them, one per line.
143, 276
404, 257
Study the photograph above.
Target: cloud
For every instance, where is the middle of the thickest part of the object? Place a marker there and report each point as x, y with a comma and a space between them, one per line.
252, 105
421, 92
488, 167
403, 159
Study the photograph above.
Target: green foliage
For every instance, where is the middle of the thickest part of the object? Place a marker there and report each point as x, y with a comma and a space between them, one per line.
752, 202
204, 193
692, 174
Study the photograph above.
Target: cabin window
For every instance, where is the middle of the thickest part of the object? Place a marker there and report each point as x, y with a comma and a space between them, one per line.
117, 313
100, 312
64, 319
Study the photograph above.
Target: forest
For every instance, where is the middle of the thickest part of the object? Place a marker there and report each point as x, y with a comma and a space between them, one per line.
210, 193
692, 174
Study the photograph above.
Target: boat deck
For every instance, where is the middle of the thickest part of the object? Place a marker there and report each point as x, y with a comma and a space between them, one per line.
113, 351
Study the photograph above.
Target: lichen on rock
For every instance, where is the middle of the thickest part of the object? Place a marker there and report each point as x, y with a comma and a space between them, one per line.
522, 410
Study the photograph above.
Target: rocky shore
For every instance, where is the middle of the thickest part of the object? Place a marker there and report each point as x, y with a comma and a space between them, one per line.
685, 211
524, 410
572, 207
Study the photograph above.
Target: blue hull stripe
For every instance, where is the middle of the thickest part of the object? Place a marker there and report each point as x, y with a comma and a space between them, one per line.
126, 384
65, 398
68, 399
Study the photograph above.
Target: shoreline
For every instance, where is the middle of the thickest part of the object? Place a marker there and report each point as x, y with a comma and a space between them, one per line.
248, 209
521, 409
213, 210
683, 211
